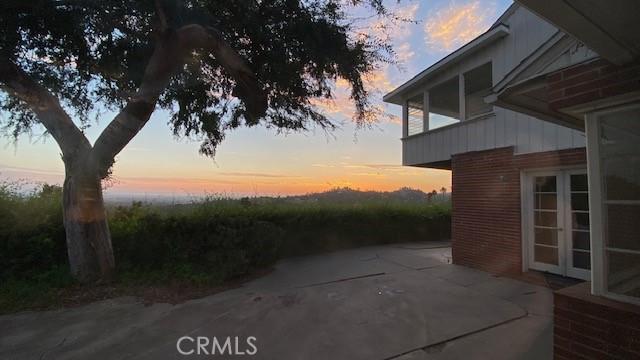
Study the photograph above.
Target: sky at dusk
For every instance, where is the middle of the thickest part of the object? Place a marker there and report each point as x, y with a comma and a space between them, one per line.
260, 161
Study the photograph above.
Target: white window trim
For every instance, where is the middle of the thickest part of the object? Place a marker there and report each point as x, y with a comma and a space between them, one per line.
596, 205
526, 200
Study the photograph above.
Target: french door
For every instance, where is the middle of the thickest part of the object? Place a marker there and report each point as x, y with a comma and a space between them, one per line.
557, 222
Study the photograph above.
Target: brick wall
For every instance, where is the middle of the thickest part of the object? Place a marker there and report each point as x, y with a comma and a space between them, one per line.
591, 81
485, 228
591, 327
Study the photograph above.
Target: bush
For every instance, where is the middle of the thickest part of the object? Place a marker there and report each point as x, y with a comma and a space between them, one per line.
188, 244
32, 238
209, 241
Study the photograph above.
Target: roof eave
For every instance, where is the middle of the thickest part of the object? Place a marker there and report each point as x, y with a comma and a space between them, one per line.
595, 34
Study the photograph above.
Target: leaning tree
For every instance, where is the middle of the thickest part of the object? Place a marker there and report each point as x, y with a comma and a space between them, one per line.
214, 65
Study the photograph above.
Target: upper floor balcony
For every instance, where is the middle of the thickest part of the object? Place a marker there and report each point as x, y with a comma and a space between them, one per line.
436, 122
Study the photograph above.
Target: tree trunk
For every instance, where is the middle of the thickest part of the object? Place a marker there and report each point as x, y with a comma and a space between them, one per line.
85, 222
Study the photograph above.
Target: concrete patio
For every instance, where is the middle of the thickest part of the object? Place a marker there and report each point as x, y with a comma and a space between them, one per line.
385, 302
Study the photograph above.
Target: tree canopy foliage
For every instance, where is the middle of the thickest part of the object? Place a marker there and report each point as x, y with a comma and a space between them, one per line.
94, 55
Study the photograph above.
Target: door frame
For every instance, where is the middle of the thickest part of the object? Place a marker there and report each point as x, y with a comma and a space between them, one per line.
526, 209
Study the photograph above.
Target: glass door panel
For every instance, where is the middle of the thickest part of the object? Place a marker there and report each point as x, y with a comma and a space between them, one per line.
558, 221
545, 221
579, 252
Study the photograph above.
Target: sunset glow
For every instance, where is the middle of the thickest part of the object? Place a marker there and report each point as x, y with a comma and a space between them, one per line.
260, 161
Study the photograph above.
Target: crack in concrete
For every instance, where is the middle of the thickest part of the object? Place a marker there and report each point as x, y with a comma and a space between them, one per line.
439, 346
341, 280
48, 351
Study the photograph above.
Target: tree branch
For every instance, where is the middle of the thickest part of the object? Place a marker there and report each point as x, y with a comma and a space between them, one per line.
162, 17
171, 53
46, 106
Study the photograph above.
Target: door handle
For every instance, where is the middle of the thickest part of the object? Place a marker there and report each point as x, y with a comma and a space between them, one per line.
560, 229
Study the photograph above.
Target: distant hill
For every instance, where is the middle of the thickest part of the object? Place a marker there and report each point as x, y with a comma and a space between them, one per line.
343, 195
348, 195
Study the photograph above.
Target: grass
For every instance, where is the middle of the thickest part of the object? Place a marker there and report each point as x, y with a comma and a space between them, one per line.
174, 252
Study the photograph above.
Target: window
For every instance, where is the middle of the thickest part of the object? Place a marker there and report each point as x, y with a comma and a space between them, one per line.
613, 141
444, 104
415, 121
477, 85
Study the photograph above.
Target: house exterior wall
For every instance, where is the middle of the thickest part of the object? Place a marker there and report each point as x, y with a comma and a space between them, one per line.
592, 81
588, 326
505, 127
591, 327
486, 221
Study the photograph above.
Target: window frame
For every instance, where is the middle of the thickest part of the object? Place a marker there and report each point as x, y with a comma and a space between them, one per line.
462, 98
597, 206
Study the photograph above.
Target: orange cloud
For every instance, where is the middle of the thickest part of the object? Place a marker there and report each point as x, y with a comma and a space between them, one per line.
450, 27
404, 53
391, 29
394, 27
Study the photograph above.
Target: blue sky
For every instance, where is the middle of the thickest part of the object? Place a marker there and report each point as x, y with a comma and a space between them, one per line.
257, 161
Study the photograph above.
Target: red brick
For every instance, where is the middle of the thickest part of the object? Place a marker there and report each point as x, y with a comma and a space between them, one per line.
582, 68
555, 77
588, 352
587, 76
599, 328
621, 88
486, 192
585, 83
577, 99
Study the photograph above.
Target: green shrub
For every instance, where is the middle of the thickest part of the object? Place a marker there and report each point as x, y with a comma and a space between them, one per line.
32, 238
223, 246
205, 242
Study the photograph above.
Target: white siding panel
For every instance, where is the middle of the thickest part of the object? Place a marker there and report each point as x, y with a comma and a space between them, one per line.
457, 140
430, 149
454, 139
479, 134
461, 135
464, 138
417, 148
490, 133
423, 148
472, 138
527, 134
550, 136
536, 134
565, 138
511, 128
522, 133
480, 128
446, 143
414, 150
406, 155
579, 139
440, 145
519, 26
433, 146
500, 129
